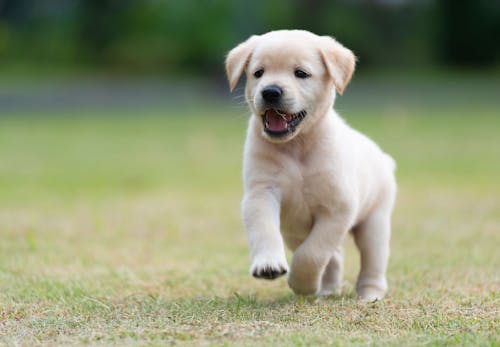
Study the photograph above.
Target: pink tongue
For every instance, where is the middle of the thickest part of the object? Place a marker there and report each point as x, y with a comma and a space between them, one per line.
274, 121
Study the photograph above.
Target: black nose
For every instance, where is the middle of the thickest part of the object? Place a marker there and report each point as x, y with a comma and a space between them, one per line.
272, 93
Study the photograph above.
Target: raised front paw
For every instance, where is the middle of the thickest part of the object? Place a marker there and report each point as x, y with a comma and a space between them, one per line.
268, 268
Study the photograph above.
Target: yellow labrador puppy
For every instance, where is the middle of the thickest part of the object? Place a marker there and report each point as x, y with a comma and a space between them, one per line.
309, 178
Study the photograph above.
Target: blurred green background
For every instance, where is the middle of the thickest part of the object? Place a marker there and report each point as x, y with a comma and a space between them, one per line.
160, 63
169, 37
113, 52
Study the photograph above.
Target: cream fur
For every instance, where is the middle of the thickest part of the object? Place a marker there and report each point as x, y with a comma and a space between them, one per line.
309, 189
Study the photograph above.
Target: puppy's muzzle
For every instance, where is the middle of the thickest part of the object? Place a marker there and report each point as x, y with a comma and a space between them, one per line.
272, 94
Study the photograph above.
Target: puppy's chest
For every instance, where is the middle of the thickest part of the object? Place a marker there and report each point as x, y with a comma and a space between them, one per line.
305, 190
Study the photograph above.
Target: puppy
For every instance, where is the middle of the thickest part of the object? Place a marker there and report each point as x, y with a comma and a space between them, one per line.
309, 178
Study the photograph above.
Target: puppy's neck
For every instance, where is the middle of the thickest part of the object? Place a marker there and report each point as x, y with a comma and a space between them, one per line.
324, 127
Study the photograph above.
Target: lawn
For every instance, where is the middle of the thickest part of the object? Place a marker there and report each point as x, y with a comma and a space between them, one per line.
123, 227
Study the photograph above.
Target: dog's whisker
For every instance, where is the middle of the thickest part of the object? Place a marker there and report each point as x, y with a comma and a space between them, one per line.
238, 97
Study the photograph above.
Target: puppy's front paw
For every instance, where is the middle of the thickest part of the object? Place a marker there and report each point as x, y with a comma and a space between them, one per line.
302, 286
268, 268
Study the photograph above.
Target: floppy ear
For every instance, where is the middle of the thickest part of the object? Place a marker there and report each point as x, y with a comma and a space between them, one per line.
237, 60
339, 61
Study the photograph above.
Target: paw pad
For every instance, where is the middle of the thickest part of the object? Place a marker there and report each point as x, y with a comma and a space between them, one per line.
268, 273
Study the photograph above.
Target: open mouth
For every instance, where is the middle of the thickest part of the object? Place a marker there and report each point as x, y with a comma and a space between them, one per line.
278, 123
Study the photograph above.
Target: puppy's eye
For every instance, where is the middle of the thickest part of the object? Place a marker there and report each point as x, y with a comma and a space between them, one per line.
258, 73
301, 74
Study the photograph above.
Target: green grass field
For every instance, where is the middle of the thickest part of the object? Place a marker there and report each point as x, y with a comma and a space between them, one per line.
123, 228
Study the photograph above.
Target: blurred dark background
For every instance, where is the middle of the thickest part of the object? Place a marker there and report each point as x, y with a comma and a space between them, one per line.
165, 47
191, 36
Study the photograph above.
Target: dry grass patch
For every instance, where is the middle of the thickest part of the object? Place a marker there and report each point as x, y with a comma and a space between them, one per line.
125, 234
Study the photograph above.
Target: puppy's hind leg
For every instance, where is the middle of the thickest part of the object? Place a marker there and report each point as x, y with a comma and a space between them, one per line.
372, 238
331, 283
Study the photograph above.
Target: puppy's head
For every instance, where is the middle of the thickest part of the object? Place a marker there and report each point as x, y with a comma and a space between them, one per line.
291, 79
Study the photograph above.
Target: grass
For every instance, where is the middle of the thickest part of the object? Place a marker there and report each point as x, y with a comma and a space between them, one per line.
122, 227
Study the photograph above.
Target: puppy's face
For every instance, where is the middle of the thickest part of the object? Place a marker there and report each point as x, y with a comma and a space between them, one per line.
291, 79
